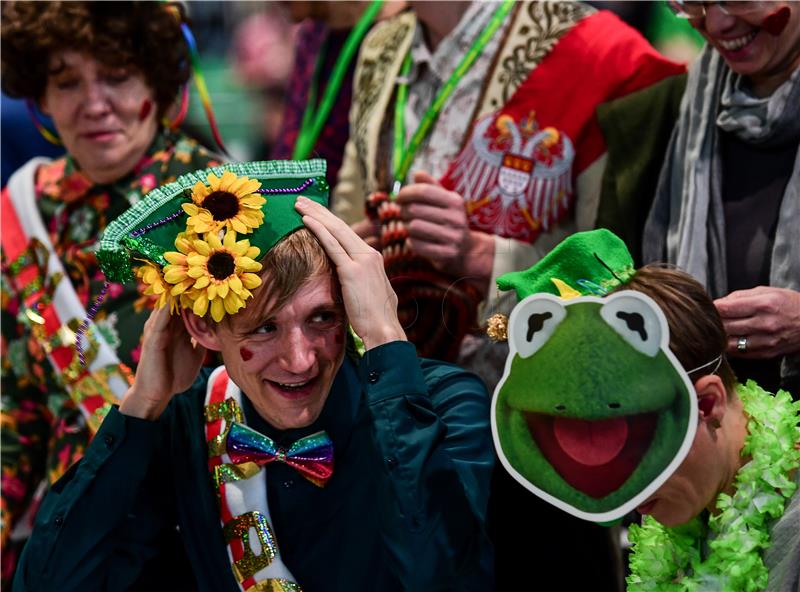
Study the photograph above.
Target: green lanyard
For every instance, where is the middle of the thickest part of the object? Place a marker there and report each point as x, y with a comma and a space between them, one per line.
403, 156
314, 119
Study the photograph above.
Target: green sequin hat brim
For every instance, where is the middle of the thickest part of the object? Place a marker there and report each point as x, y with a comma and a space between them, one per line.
142, 233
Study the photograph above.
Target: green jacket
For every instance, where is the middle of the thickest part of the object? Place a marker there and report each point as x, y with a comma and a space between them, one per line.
404, 509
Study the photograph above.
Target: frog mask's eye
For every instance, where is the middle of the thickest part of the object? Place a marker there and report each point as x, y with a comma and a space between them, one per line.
636, 319
533, 322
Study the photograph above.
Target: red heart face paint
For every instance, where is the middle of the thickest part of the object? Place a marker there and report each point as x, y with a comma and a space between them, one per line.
776, 22
246, 354
147, 106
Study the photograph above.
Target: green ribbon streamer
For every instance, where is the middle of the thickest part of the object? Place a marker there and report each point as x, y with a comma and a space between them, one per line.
402, 157
314, 119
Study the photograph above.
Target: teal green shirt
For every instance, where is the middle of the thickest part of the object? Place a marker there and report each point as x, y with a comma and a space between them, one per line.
404, 510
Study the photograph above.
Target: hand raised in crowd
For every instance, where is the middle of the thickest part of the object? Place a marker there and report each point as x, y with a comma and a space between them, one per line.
168, 365
369, 300
768, 317
438, 230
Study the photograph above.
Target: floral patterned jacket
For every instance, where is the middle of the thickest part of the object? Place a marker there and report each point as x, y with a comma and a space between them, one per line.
43, 431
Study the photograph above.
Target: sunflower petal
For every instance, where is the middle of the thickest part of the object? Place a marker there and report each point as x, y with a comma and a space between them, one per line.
236, 186
196, 260
229, 240
182, 288
217, 310
250, 186
238, 226
174, 274
213, 241
250, 280
199, 192
196, 272
175, 258
202, 282
232, 303
247, 264
253, 201
200, 305
228, 179
235, 284
202, 247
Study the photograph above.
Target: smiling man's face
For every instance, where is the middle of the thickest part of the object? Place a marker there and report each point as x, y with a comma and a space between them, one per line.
286, 361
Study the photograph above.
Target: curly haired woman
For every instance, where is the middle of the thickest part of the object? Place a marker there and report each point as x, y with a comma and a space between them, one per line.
106, 73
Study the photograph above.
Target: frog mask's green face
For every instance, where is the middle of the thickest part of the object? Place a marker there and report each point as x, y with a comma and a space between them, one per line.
593, 412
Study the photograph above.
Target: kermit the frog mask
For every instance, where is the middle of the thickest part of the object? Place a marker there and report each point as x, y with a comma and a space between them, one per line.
593, 412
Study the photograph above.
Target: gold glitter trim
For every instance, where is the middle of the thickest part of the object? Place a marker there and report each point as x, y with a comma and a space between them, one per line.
239, 528
228, 473
228, 410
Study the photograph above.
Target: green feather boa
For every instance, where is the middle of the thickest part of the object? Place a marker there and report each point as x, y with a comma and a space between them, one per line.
671, 559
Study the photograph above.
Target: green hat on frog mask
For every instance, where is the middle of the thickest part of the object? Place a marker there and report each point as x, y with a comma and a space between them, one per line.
195, 243
592, 262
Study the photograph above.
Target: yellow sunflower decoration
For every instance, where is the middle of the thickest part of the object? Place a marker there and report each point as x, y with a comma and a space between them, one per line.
228, 203
157, 288
211, 271
214, 275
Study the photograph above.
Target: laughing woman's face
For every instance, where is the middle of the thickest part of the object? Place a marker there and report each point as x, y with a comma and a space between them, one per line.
759, 40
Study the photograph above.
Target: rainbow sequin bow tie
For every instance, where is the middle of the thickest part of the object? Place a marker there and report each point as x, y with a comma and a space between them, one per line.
311, 456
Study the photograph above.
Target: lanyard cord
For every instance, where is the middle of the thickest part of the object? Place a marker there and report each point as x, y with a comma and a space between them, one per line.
314, 118
403, 156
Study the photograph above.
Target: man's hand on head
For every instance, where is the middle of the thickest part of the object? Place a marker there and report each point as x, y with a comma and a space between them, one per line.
169, 364
369, 300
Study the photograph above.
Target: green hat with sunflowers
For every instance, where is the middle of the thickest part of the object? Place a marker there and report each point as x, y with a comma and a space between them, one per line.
195, 243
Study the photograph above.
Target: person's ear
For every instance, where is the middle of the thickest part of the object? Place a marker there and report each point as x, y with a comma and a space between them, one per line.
201, 330
712, 399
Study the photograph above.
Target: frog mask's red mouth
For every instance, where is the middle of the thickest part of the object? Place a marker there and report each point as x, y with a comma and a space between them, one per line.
595, 457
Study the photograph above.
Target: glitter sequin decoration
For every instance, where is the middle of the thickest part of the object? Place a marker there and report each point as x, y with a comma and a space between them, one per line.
242, 495
311, 456
239, 528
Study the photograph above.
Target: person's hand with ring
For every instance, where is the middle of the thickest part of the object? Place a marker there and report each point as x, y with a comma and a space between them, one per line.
762, 322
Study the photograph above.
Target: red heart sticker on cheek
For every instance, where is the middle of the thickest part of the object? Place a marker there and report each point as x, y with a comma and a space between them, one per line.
147, 106
246, 354
776, 22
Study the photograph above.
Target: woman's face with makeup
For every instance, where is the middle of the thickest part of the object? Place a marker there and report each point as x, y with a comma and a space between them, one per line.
106, 116
759, 40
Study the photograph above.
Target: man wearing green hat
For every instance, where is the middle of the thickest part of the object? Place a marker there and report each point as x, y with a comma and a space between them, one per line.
299, 464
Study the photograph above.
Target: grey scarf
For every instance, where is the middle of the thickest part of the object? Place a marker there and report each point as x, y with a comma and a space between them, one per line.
686, 222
